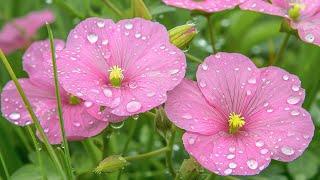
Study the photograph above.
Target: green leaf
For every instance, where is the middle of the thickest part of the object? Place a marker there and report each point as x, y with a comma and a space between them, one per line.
305, 167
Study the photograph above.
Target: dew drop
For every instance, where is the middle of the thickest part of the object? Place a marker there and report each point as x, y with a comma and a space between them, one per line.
117, 125
285, 77
137, 35
187, 116
293, 100
232, 165
227, 171
92, 38
107, 92
231, 156
174, 71
202, 84
105, 42
295, 88
14, 116
204, 66
309, 38
151, 94
100, 24
252, 81
133, 106
264, 151
259, 143
191, 140
128, 26
287, 151
295, 113
252, 164
77, 124
88, 104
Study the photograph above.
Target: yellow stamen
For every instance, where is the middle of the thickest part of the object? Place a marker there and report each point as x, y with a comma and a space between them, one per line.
295, 10
236, 121
115, 76
74, 100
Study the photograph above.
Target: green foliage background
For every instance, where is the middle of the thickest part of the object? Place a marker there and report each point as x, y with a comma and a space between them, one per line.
255, 35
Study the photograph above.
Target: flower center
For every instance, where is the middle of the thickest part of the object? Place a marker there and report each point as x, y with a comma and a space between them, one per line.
295, 10
74, 100
115, 76
236, 121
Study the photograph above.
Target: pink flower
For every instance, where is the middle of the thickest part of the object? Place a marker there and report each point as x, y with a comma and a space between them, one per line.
303, 15
19, 32
82, 118
128, 66
239, 117
204, 5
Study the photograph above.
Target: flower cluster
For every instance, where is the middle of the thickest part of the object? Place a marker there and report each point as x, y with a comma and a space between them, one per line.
237, 117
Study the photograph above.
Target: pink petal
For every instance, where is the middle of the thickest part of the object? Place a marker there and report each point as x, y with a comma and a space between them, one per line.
37, 61
79, 124
227, 154
228, 81
278, 8
12, 36
278, 117
12, 106
151, 65
188, 109
206, 5
309, 29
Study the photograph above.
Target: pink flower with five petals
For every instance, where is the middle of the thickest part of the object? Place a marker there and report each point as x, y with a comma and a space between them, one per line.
82, 119
304, 15
238, 117
204, 5
19, 32
128, 66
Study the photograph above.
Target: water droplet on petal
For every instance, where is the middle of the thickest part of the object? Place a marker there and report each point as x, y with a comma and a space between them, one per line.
174, 71
77, 124
151, 94
100, 24
191, 140
92, 38
117, 125
204, 66
287, 150
293, 100
133, 106
128, 26
295, 88
202, 84
107, 92
309, 38
187, 116
295, 113
232, 165
285, 77
252, 164
88, 104
259, 143
252, 81
227, 171
14, 116
264, 151
231, 156
137, 35
105, 42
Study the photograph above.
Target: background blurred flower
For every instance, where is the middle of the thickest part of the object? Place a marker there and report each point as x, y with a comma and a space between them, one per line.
239, 117
19, 32
303, 15
204, 5
128, 66
82, 118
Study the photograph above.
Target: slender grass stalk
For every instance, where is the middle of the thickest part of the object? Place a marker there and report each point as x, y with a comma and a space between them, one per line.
38, 148
34, 118
23, 138
4, 166
59, 105
126, 145
113, 7
283, 47
146, 155
89, 146
169, 153
211, 33
193, 58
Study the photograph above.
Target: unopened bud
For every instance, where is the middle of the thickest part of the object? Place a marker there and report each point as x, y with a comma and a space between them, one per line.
189, 169
140, 10
162, 123
181, 36
111, 164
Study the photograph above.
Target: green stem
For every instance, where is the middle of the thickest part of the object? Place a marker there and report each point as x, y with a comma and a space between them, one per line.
210, 177
23, 138
193, 58
281, 52
211, 33
32, 114
113, 7
63, 5
126, 145
38, 148
169, 153
89, 146
4, 166
147, 155
59, 104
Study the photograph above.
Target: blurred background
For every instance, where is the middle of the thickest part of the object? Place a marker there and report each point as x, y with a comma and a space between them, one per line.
255, 35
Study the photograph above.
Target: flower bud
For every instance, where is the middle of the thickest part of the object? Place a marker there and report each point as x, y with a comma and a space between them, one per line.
111, 164
140, 10
181, 36
162, 123
189, 169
